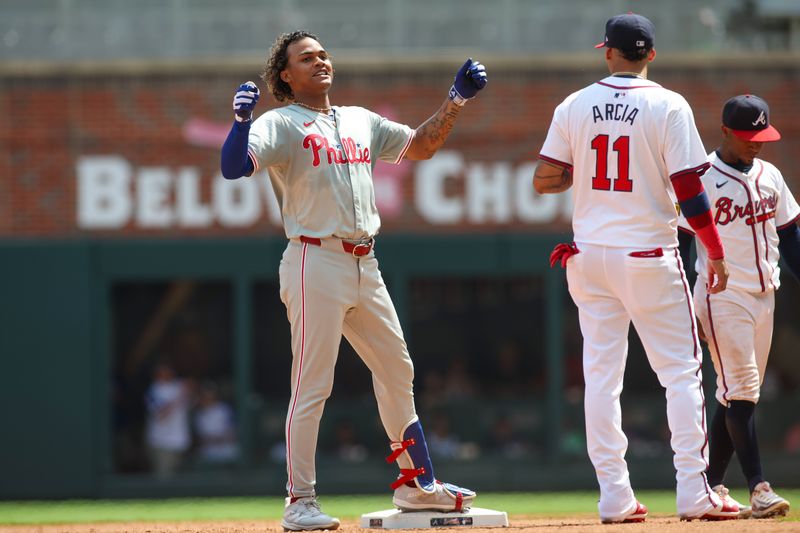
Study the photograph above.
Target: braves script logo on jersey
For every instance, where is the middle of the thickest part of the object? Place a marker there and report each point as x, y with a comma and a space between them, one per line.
752, 213
348, 152
621, 112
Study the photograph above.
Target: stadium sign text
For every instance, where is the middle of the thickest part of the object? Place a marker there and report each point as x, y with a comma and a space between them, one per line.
112, 193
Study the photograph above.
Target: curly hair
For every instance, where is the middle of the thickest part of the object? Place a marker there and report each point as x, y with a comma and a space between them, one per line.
277, 61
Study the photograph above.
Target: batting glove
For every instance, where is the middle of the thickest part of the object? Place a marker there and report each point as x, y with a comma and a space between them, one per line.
561, 253
470, 79
245, 101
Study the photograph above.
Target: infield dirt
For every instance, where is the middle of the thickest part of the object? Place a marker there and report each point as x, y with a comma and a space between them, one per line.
589, 525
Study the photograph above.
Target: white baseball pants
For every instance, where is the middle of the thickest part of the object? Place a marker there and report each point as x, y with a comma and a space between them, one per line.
738, 326
612, 289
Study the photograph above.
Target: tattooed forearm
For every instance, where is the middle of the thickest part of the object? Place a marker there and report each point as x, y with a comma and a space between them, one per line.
550, 179
436, 129
431, 135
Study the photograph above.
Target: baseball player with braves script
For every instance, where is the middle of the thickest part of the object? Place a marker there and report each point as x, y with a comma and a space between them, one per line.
757, 219
631, 148
320, 160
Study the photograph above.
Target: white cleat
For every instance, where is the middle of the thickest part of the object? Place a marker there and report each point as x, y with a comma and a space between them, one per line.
639, 514
724, 494
766, 503
727, 511
306, 515
445, 497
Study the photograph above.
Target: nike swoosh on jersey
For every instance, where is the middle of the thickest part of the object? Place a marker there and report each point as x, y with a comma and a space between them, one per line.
307, 124
719, 185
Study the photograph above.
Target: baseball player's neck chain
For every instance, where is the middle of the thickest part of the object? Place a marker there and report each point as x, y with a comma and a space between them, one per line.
312, 108
634, 74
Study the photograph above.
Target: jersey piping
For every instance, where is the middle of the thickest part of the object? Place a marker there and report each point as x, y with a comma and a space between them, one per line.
627, 88
793, 221
752, 226
764, 217
555, 162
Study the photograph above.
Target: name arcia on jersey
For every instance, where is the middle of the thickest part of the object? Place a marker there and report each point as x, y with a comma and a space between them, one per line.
619, 112
348, 152
752, 213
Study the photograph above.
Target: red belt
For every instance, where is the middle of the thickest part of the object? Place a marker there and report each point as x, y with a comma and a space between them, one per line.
357, 250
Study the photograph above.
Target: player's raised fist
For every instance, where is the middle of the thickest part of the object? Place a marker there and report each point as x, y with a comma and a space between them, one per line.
470, 79
245, 101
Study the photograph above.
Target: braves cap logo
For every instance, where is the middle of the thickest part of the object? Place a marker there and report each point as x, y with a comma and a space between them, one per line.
738, 113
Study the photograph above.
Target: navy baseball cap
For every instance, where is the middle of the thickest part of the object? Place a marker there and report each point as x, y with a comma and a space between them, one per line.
629, 32
748, 116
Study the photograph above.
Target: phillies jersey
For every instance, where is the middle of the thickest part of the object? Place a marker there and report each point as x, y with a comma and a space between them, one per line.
748, 209
321, 166
623, 137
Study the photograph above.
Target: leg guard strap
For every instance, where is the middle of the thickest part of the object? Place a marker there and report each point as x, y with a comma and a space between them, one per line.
459, 502
406, 475
398, 448
415, 451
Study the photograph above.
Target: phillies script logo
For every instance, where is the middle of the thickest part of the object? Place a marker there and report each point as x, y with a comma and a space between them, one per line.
752, 213
348, 152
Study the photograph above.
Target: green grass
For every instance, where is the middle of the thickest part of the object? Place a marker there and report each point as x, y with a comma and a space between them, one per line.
540, 504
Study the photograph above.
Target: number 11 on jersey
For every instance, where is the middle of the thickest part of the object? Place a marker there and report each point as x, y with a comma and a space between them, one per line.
601, 181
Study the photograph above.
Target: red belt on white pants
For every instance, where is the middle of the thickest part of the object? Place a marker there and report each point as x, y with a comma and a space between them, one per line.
356, 249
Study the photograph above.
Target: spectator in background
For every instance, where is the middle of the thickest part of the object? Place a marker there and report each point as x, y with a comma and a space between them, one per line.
167, 435
432, 395
215, 427
509, 376
791, 441
348, 447
458, 383
444, 444
505, 439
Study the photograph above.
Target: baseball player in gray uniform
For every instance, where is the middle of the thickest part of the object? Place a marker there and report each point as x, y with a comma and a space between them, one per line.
757, 219
320, 159
631, 149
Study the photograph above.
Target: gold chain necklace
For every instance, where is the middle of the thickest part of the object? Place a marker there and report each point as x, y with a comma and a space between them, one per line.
312, 108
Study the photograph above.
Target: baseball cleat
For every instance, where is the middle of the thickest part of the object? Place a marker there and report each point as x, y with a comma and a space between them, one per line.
724, 494
305, 515
727, 511
766, 503
638, 514
445, 497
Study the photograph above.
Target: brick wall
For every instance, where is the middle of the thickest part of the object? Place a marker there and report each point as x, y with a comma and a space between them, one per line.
175, 122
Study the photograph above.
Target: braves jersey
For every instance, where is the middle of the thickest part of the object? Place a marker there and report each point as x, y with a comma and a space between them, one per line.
748, 208
623, 137
321, 166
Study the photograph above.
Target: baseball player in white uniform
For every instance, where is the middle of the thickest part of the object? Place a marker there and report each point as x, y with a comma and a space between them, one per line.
320, 160
756, 215
631, 149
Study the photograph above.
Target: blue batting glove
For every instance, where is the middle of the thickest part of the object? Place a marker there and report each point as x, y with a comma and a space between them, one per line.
245, 101
470, 79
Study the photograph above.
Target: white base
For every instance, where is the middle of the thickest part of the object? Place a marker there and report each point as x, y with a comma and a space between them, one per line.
396, 519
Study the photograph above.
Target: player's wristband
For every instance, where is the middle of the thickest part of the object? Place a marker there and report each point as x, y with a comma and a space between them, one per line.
456, 98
